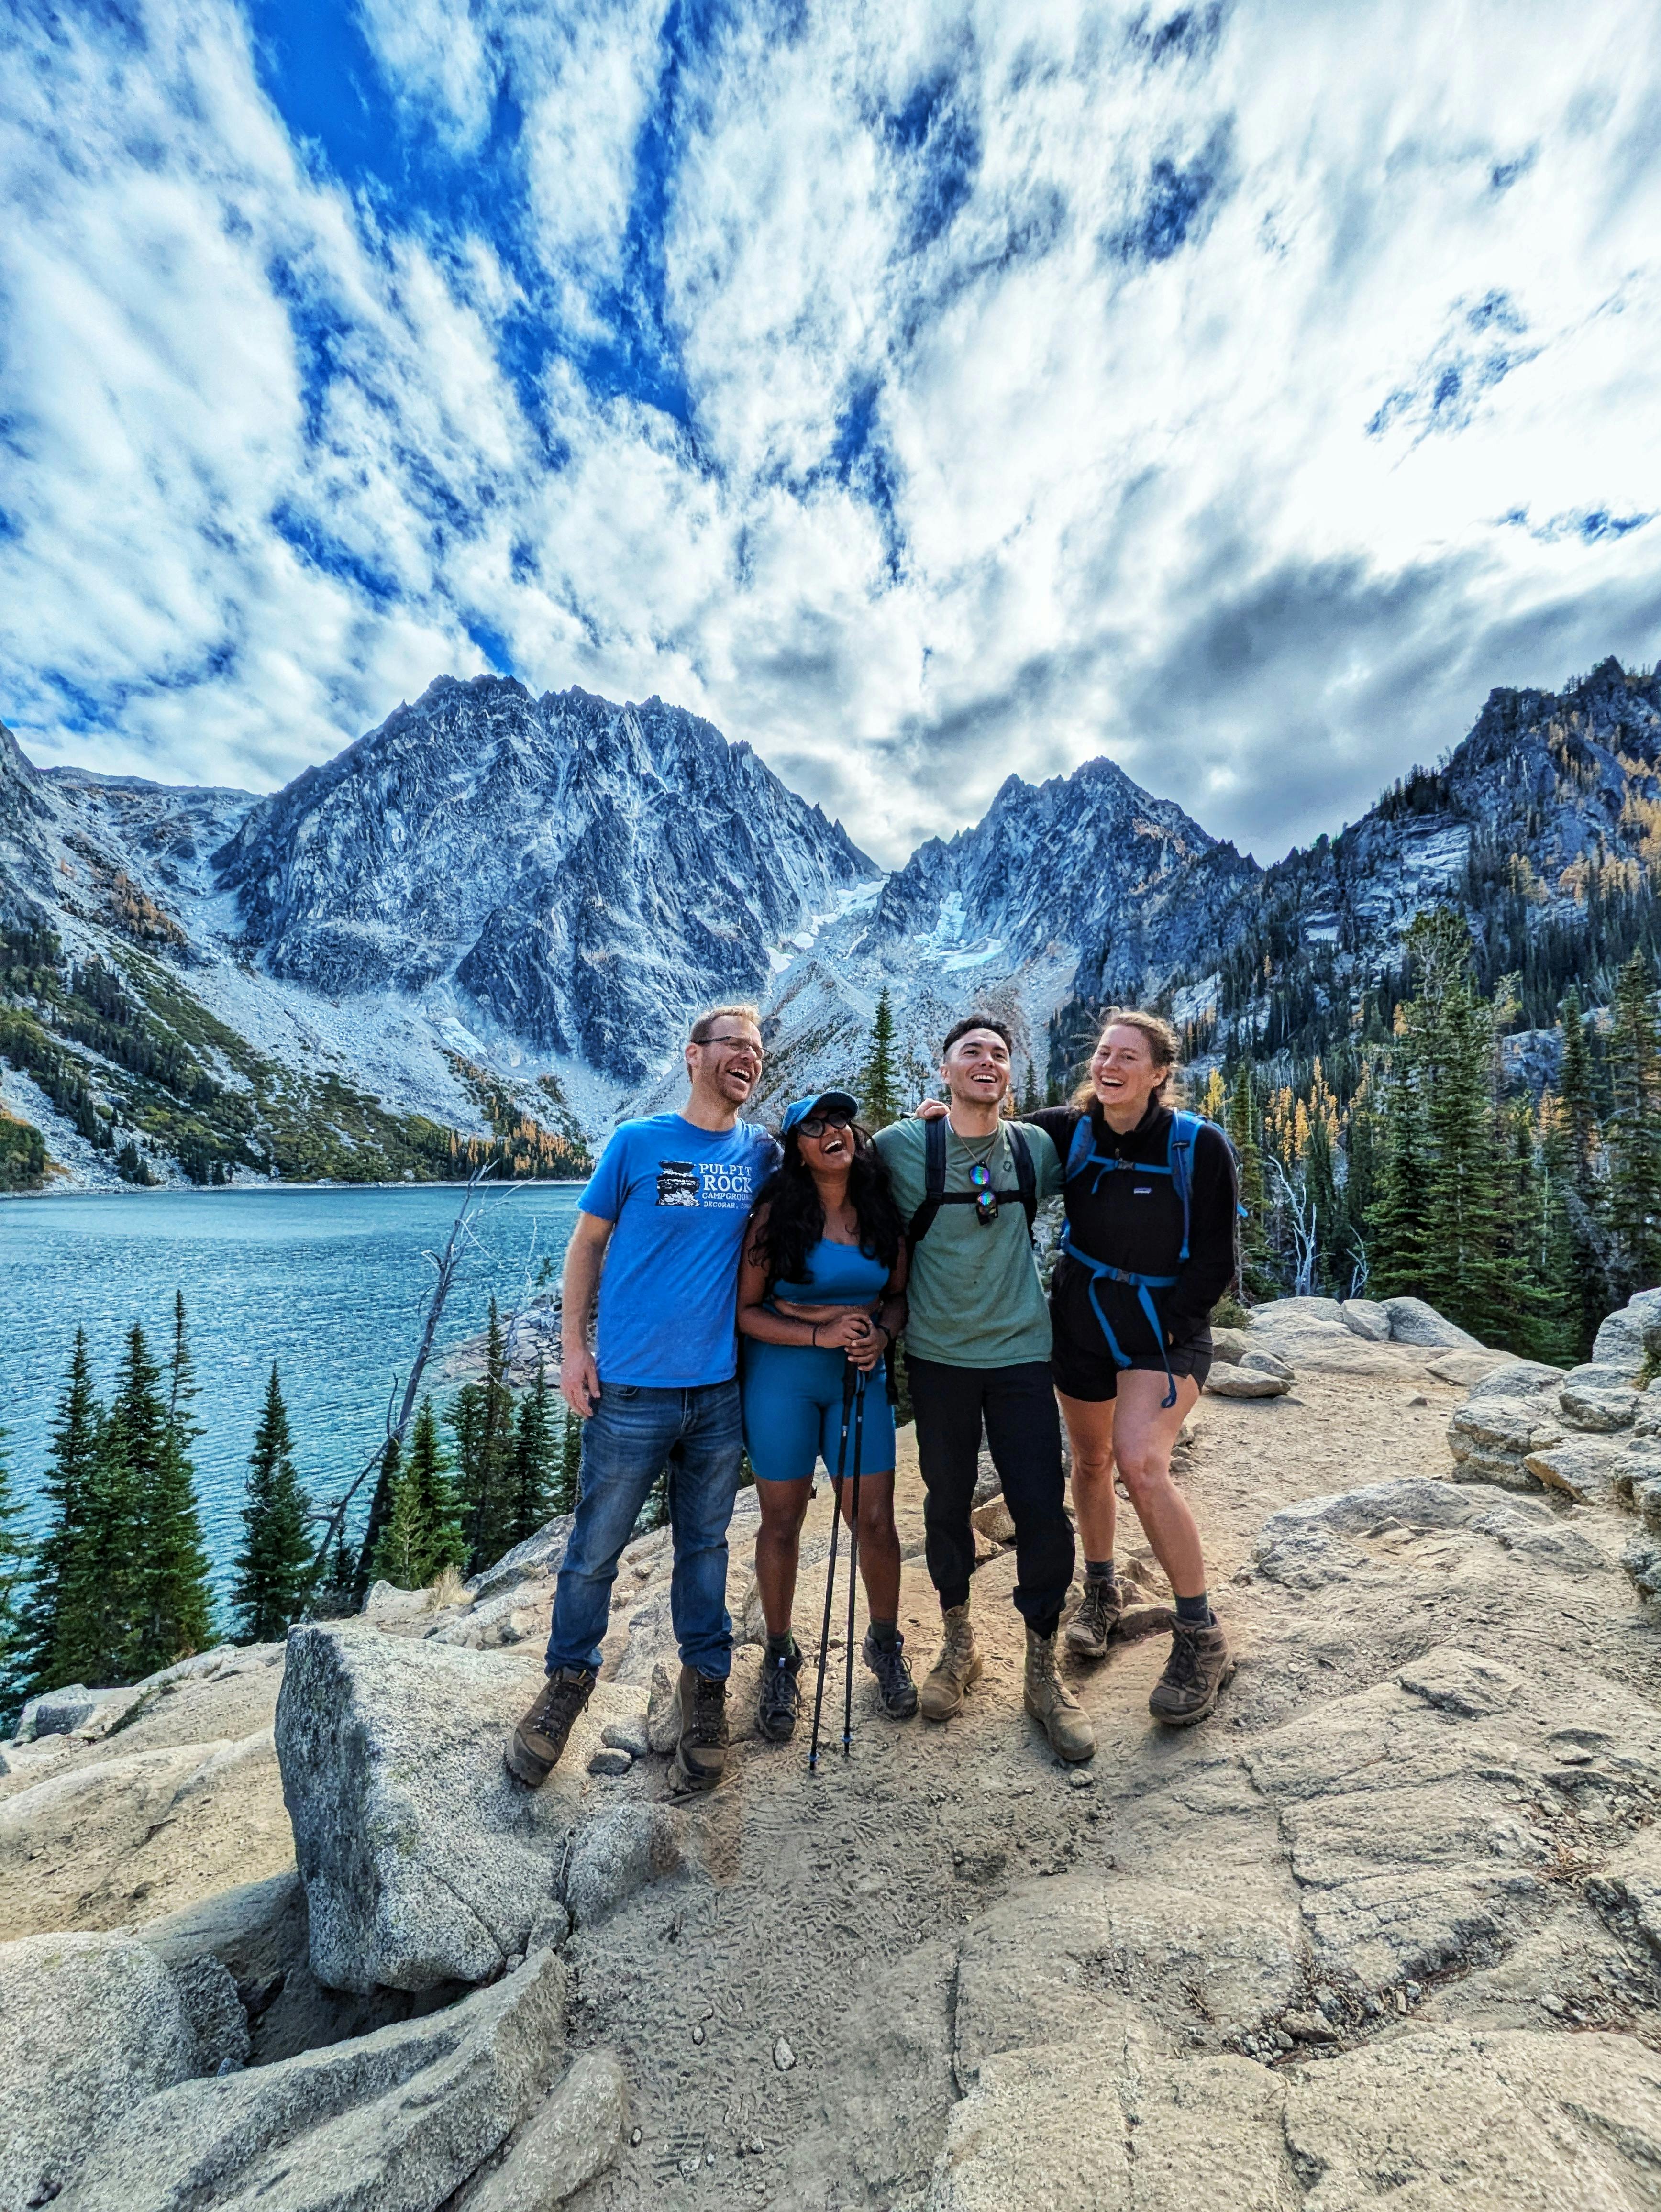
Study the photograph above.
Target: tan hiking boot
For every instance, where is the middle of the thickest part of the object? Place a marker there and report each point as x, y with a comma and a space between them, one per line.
959, 1665
701, 1752
1092, 1626
1199, 1665
535, 1745
1053, 1706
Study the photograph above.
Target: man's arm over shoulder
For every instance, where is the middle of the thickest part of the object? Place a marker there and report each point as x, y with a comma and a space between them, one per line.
1047, 1169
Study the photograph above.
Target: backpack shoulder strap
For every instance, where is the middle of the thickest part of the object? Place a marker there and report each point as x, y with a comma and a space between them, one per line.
1026, 1177
1179, 1156
934, 1179
1082, 1144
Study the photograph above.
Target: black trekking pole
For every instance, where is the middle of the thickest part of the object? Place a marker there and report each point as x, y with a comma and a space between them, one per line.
852, 1566
830, 1570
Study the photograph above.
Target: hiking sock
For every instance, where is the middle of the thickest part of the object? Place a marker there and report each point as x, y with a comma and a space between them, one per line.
780, 1647
885, 1632
1195, 1612
1101, 1571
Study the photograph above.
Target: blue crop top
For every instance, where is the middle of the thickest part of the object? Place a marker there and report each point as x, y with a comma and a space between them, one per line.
836, 1275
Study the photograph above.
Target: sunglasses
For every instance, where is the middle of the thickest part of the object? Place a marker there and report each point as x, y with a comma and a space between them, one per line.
815, 1125
986, 1199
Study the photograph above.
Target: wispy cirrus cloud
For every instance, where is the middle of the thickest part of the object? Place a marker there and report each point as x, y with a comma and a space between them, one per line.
921, 394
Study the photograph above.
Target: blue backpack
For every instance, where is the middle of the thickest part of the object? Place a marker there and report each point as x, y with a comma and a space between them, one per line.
1081, 1157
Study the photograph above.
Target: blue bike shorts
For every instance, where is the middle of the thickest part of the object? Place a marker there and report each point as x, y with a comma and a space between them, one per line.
792, 1413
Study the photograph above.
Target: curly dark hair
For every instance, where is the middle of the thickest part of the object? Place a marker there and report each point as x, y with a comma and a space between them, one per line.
796, 1214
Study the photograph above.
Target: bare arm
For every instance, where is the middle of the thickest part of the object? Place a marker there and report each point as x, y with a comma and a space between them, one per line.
585, 1256
829, 1329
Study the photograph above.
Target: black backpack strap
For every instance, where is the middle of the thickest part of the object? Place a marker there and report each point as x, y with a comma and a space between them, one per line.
1026, 1180
934, 1179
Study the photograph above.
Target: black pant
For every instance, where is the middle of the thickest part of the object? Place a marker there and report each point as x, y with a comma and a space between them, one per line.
1023, 1430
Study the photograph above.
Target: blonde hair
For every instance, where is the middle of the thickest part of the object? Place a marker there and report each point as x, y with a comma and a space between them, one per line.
706, 1021
1162, 1044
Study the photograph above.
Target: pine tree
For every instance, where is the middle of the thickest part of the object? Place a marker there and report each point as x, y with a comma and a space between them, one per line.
380, 1506
113, 1573
533, 1460
423, 1535
54, 1631
273, 1569
1575, 1091
13, 1560
879, 1078
1241, 1119
563, 1496
1634, 1134
175, 1600
482, 1418
1446, 1221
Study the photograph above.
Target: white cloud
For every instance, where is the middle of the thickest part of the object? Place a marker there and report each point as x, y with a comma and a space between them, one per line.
923, 394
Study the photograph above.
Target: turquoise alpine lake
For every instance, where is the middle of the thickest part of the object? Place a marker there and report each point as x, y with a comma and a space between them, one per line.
329, 1281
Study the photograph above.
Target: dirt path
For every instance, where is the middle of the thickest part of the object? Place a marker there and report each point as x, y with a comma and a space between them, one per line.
836, 1910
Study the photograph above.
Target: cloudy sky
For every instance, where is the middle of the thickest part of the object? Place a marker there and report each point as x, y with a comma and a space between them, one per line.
923, 392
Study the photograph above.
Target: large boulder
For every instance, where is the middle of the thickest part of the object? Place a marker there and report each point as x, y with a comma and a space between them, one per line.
572, 2137
398, 2120
1367, 1318
539, 1555
90, 2025
1243, 1382
1630, 1338
1597, 1398
62, 1712
1585, 1468
617, 1854
1413, 1321
423, 1861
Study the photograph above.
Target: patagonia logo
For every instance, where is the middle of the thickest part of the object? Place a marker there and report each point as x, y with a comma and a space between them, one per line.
1141, 1190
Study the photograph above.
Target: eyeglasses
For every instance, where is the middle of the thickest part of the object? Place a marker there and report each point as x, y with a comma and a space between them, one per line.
732, 1044
986, 1199
815, 1125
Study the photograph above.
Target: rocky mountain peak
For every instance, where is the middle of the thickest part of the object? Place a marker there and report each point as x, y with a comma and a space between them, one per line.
585, 873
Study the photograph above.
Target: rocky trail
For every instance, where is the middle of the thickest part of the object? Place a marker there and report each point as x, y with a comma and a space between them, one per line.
1387, 1928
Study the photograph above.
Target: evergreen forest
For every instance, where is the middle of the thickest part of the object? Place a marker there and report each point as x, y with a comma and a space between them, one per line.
117, 1587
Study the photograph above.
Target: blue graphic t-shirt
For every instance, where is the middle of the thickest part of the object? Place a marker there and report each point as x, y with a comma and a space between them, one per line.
668, 1292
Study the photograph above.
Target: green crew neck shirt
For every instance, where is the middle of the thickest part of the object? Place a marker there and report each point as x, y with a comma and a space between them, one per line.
974, 1293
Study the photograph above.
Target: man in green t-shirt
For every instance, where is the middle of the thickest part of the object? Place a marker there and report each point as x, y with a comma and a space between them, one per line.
977, 1350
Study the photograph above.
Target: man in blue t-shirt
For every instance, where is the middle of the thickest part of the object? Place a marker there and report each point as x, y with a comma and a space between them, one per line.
664, 1216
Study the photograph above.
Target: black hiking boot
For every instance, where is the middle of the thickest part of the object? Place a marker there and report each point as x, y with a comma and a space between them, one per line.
888, 1662
1199, 1665
701, 1753
535, 1745
780, 1701
1092, 1626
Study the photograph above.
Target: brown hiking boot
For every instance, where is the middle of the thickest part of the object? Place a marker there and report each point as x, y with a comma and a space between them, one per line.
535, 1745
1097, 1616
958, 1665
1196, 1670
701, 1753
1053, 1706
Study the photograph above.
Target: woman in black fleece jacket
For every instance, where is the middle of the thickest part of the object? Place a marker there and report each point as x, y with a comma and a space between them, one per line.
1124, 1213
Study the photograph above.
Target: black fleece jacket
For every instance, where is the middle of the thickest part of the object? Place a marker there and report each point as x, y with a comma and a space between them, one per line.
1137, 1223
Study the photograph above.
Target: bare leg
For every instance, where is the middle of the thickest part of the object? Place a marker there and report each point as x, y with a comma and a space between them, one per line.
778, 1545
879, 1541
1144, 1431
1089, 1433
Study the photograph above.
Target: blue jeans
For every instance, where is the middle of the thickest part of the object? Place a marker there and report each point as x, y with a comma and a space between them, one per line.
626, 1441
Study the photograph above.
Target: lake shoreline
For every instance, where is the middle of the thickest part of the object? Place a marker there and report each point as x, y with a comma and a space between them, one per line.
232, 1189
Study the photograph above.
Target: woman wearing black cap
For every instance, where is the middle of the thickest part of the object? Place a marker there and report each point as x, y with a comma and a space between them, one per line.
821, 1286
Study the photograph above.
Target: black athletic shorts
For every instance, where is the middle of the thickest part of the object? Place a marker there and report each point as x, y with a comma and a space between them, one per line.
1080, 1361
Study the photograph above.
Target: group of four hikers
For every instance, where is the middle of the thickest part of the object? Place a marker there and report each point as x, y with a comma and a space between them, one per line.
817, 1247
